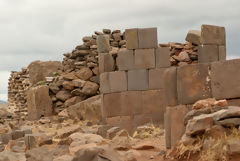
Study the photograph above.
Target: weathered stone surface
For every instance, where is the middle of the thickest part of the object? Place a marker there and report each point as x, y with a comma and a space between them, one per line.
39, 70
103, 43
230, 122
12, 156
213, 35
111, 133
222, 53
124, 122
138, 79
147, 38
193, 36
105, 83
63, 95
39, 102
125, 59
35, 140
84, 73
144, 58
90, 88
182, 57
162, 57
5, 138
89, 109
78, 83
231, 112
208, 53
175, 117
234, 146
68, 85
106, 62
112, 104
193, 83
132, 103
131, 38
73, 101
165, 78
199, 124
118, 81
224, 79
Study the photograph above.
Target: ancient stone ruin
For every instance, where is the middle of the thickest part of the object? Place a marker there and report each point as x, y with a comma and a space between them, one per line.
125, 80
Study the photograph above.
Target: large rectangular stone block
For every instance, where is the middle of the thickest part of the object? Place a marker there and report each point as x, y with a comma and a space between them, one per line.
138, 80
118, 81
162, 57
175, 118
222, 53
234, 102
193, 83
225, 79
125, 59
213, 35
144, 58
165, 78
147, 38
112, 105
105, 83
154, 102
167, 127
208, 53
131, 36
106, 62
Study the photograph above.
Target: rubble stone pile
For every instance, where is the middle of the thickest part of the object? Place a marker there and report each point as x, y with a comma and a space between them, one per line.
17, 87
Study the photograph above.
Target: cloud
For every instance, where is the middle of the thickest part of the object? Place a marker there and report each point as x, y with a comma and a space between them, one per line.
44, 30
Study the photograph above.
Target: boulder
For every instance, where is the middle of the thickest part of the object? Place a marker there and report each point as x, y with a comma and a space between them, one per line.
39, 70
89, 109
84, 73
63, 95
68, 85
73, 101
90, 88
193, 36
12, 156
39, 102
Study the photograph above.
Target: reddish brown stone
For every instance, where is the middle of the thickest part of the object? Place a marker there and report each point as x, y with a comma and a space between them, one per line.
144, 58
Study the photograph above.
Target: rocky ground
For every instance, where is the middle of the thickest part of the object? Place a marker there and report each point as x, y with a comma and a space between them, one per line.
64, 139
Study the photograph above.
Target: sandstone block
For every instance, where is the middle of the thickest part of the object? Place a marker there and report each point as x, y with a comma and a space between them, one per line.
193, 83
144, 58
84, 73
224, 79
118, 81
154, 102
105, 83
103, 45
138, 79
131, 36
213, 35
166, 79
175, 117
162, 57
5, 138
208, 53
193, 36
112, 105
222, 52
106, 62
17, 134
147, 38
63, 95
39, 102
90, 88
125, 59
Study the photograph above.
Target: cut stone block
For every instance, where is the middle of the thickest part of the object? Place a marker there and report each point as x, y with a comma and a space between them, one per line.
177, 122
162, 57
112, 105
234, 102
193, 83
39, 102
105, 83
124, 122
167, 127
118, 81
213, 35
193, 36
131, 36
154, 102
222, 52
106, 62
5, 138
125, 59
165, 78
147, 38
144, 58
225, 80
132, 103
138, 80
103, 45
17, 134
208, 53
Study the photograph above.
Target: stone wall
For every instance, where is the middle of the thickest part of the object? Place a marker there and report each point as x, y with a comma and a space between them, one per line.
143, 79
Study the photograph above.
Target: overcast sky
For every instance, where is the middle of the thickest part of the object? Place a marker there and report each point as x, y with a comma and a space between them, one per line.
45, 29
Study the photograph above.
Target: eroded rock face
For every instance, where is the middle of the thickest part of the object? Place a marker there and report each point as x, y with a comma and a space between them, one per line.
39, 102
38, 70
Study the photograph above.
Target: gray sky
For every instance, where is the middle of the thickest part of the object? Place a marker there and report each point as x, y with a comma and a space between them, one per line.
45, 29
